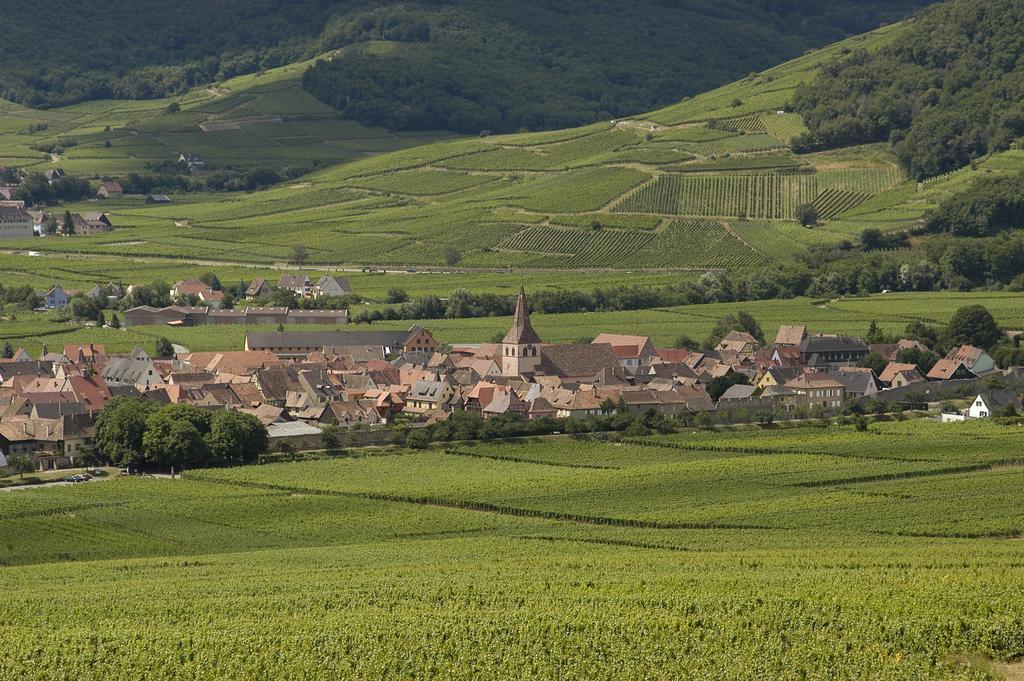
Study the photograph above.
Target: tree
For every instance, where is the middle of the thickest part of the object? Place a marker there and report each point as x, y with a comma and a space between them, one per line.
685, 342
860, 423
211, 280
871, 239
765, 417
329, 437
236, 438
169, 441
973, 325
164, 348
101, 320
69, 224
299, 255
8, 350
608, 406
452, 257
396, 296
875, 362
119, 430
283, 297
50, 225
807, 215
115, 322
22, 463
739, 321
874, 334
923, 359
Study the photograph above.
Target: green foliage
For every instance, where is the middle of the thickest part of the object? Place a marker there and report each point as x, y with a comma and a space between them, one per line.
942, 99
988, 206
973, 325
120, 428
164, 348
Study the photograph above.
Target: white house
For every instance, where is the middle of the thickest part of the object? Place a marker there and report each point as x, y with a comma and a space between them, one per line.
993, 402
57, 297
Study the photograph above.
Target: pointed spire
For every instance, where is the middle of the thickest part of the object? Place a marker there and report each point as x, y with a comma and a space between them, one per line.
522, 332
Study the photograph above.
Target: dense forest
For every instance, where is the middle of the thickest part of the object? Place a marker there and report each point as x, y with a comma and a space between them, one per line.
475, 65
466, 65
948, 90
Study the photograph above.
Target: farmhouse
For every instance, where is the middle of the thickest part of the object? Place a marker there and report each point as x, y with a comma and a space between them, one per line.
258, 289
331, 287
193, 161
110, 190
299, 284
56, 298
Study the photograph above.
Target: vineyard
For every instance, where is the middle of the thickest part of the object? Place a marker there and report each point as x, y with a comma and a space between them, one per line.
778, 554
765, 196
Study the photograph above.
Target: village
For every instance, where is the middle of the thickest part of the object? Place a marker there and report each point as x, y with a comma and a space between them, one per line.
299, 384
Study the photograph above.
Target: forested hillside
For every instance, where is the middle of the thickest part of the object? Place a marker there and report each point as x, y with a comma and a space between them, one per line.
464, 65
948, 91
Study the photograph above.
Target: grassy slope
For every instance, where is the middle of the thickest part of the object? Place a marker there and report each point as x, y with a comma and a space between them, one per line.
808, 573
263, 119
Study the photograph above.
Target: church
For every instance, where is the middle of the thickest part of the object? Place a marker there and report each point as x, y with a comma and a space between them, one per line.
523, 355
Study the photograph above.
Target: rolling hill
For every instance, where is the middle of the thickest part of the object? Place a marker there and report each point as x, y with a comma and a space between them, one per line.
709, 183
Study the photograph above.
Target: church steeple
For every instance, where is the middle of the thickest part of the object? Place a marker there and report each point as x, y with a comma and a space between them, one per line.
520, 348
522, 330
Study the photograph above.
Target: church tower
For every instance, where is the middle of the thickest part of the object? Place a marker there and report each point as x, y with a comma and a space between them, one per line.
520, 348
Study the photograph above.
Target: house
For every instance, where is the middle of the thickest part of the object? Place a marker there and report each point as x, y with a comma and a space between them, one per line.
193, 161
898, 375
259, 289
299, 284
975, 359
110, 190
740, 342
858, 383
633, 352
157, 198
737, 392
828, 353
429, 396
15, 222
817, 390
790, 336
331, 287
950, 370
995, 403
189, 287
56, 298
138, 371
53, 174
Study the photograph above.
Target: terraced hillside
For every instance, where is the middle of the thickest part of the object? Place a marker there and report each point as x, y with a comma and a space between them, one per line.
709, 183
781, 554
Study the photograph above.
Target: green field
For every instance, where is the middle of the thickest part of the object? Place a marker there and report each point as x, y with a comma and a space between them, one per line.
892, 312
796, 553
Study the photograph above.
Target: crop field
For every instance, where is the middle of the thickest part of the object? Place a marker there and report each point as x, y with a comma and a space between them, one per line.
781, 554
